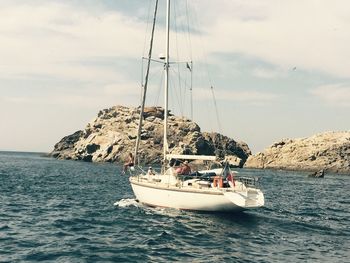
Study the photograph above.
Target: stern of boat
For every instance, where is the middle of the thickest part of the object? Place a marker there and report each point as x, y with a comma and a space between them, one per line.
255, 198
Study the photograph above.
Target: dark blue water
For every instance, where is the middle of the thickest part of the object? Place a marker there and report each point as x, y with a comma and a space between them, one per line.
63, 211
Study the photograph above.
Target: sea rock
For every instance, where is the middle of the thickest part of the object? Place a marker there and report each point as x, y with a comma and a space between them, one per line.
112, 135
318, 174
329, 151
66, 145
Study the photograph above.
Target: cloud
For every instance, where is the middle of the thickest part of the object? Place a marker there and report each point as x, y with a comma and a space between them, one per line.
92, 98
251, 97
68, 59
336, 95
310, 35
45, 37
49, 38
265, 73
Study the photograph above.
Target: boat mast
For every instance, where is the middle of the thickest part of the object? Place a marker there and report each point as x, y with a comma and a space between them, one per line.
166, 84
191, 88
145, 85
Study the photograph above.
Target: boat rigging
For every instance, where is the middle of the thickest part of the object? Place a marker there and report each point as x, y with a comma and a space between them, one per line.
218, 189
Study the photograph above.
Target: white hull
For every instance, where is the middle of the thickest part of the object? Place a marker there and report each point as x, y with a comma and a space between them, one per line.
190, 198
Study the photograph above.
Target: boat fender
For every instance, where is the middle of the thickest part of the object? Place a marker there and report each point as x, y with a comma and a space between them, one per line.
218, 182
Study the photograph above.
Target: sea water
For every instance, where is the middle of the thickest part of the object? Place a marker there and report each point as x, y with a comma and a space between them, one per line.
68, 211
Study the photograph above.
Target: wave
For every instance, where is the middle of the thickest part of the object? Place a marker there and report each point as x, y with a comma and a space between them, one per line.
127, 202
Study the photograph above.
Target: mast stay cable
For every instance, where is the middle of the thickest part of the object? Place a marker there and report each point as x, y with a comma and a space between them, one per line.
145, 84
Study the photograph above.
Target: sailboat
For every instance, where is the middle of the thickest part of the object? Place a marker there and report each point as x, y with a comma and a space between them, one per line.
211, 190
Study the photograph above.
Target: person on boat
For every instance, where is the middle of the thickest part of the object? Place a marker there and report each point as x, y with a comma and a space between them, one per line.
129, 163
184, 169
150, 171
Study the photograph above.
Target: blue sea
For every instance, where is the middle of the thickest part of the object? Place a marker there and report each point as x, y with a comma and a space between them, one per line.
66, 211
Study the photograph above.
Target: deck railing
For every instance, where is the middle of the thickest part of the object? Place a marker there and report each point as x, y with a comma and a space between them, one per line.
248, 181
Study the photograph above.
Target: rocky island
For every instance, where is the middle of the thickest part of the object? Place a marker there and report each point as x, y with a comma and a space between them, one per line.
112, 135
329, 151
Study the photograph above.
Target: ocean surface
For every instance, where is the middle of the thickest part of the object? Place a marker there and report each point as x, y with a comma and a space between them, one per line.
67, 211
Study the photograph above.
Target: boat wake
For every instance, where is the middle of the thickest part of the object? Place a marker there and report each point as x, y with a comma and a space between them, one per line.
127, 202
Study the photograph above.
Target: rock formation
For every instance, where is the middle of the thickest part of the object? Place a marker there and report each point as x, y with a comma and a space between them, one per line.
329, 151
318, 174
112, 135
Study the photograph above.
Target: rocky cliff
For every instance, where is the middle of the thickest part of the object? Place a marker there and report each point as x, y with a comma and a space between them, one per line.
329, 151
112, 135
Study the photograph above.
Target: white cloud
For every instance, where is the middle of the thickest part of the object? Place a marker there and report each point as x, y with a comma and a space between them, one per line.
92, 98
56, 43
122, 89
49, 38
265, 73
311, 35
45, 38
251, 97
337, 95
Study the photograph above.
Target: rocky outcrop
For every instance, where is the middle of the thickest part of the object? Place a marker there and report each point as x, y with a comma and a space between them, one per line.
318, 174
112, 135
66, 145
236, 153
329, 151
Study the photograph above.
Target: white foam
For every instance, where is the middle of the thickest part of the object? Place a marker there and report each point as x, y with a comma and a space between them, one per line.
126, 202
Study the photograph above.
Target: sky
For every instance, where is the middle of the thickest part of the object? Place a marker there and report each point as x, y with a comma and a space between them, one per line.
280, 69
